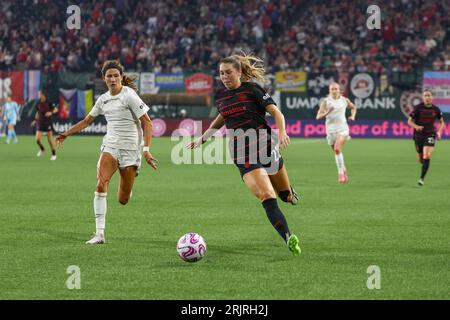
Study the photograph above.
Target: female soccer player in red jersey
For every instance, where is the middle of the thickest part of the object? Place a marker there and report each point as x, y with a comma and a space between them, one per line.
422, 119
43, 121
242, 107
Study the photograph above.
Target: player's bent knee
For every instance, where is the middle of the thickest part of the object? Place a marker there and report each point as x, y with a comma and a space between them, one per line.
285, 196
102, 186
264, 195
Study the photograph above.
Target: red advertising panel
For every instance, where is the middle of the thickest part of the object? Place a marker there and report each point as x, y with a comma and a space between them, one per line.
199, 83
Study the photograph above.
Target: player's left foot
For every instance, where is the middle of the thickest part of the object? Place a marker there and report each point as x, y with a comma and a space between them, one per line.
53, 158
293, 245
421, 182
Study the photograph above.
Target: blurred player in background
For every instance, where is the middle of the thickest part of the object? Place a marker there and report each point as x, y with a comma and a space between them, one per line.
11, 117
242, 106
43, 121
333, 108
128, 127
422, 119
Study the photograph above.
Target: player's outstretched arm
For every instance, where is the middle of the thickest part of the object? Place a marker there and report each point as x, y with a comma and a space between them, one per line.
59, 140
146, 125
283, 138
215, 125
352, 108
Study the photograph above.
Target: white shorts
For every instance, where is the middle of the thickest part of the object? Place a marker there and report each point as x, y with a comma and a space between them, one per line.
333, 136
125, 158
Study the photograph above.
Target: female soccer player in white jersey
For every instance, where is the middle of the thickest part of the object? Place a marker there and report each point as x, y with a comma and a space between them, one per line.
127, 125
333, 108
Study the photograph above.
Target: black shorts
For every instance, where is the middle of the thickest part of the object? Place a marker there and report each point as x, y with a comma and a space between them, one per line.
425, 141
275, 164
44, 126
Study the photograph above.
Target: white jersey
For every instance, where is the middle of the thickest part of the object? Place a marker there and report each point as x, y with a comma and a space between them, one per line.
122, 113
336, 120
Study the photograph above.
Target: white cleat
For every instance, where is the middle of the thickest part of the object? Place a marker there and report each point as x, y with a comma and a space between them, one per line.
53, 158
421, 182
40, 153
97, 239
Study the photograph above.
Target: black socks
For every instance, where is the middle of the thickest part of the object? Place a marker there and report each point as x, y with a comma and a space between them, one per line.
276, 218
425, 166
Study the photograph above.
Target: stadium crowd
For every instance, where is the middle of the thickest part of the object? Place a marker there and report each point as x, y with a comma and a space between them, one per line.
192, 35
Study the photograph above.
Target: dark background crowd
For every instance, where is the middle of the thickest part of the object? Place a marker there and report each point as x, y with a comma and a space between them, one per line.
192, 35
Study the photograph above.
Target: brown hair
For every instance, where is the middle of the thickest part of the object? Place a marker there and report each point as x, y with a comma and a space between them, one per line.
427, 90
126, 80
250, 66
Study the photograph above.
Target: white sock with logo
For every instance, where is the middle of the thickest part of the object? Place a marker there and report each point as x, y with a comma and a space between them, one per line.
100, 211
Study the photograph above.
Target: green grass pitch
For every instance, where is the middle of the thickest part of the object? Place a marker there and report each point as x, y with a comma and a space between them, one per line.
380, 218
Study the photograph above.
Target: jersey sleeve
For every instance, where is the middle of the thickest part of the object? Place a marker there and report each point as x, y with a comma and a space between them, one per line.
262, 98
136, 105
414, 113
438, 113
97, 109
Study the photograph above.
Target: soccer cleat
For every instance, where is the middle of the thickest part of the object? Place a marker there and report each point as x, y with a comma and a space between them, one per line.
97, 239
345, 176
421, 182
293, 245
341, 178
53, 158
295, 197
40, 153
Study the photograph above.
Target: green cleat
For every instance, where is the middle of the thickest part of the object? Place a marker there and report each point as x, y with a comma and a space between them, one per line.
293, 245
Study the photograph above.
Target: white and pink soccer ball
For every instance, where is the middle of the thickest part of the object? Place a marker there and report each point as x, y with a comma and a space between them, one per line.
191, 247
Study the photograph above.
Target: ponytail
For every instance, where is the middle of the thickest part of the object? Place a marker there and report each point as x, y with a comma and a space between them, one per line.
129, 81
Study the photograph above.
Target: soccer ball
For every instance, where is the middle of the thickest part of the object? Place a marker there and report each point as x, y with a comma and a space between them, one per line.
191, 247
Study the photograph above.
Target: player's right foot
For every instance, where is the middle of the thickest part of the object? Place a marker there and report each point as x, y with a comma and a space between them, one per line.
421, 182
97, 239
40, 153
293, 245
345, 176
295, 197
341, 178
53, 158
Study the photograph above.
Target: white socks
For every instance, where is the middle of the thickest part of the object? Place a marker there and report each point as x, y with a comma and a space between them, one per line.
100, 211
340, 162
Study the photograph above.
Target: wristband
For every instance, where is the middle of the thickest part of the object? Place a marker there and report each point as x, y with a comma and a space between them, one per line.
144, 149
